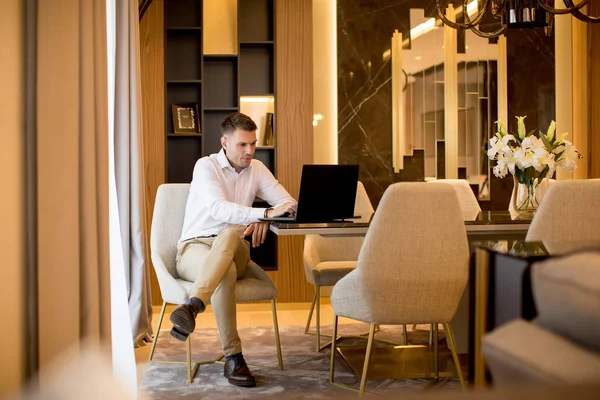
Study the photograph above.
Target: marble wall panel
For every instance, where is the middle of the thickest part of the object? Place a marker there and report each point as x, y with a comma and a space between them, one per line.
364, 30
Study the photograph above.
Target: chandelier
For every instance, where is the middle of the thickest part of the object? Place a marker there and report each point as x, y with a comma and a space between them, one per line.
516, 14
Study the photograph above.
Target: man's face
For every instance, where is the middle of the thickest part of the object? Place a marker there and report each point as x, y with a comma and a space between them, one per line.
239, 148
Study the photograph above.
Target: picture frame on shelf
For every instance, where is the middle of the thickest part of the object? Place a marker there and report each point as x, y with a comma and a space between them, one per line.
185, 118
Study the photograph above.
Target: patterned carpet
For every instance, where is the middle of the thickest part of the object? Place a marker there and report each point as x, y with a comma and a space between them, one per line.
306, 373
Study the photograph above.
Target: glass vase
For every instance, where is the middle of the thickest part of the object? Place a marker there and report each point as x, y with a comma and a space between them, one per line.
526, 197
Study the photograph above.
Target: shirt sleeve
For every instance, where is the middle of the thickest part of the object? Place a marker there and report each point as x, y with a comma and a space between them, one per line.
270, 190
206, 186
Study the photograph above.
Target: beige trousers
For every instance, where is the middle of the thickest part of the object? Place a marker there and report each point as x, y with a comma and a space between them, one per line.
214, 264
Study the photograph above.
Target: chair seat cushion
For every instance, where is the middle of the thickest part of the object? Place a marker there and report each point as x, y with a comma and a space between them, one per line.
247, 290
520, 352
567, 295
328, 273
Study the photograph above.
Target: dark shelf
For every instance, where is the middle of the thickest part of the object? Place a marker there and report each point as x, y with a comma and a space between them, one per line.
220, 85
184, 134
184, 28
182, 81
256, 43
183, 52
265, 147
221, 56
183, 13
257, 70
217, 109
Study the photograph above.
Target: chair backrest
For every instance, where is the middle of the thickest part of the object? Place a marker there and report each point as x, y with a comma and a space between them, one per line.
469, 205
343, 249
569, 212
167, 223
413, 265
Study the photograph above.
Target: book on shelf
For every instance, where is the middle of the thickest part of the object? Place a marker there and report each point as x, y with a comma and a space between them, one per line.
267, 136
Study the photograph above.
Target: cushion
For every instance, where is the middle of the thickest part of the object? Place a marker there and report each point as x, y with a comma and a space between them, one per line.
520, 352
567, 296
327, 273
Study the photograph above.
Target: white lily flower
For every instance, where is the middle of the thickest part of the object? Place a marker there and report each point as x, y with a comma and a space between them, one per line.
550, 132
569, 157
543, 158
521, 127
499, 146
521, 159
529, 154
500, 171
510, 160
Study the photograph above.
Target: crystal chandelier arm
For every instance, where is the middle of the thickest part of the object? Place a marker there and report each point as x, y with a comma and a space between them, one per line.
579, 15
458, 25
568, 3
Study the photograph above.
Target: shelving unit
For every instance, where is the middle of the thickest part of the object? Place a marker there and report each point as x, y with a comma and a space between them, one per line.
217, 83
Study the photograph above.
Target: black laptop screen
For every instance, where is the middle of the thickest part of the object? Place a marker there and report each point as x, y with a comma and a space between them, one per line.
327, 192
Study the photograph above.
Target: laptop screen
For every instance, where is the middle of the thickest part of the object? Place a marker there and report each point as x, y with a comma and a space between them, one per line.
327, 192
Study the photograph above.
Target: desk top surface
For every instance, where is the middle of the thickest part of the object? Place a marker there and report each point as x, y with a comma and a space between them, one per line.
483, 218
486, 221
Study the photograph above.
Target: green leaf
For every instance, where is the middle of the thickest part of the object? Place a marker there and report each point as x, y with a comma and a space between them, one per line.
529, 174
544, 173
520, 175
546, 142
530, 132
558, 156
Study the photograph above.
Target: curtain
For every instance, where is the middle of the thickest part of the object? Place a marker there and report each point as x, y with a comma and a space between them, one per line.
73, 269
129, 176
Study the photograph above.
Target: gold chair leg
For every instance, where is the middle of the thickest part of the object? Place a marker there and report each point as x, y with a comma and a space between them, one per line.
405, 334
363, 379
160, 318
276, 329
430, 335
436, 351
188, 346
333, 339
318, 317
310, 313
452, 345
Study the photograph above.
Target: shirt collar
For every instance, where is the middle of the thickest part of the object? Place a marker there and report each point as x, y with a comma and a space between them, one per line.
224, 162
222, 159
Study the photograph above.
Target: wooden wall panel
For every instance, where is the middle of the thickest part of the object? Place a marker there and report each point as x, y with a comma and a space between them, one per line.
293, 130
153, 98
594, 92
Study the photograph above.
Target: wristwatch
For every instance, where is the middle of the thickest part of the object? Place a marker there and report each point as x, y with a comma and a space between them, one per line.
267, 212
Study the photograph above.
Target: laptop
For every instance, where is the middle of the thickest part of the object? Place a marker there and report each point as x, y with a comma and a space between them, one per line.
327, 194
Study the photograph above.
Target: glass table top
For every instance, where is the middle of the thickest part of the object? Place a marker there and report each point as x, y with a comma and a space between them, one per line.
483, 218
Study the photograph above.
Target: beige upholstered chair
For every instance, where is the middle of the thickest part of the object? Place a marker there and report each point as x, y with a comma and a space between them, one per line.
412, 267
167, 222
569, 212
469, 205
327, 260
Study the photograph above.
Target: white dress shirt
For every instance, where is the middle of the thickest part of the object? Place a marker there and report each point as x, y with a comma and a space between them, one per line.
220, 198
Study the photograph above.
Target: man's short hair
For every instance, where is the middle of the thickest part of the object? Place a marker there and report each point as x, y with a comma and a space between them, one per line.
235, 121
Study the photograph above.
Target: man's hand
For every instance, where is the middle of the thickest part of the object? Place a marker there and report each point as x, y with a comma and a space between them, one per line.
288, 209
259, 232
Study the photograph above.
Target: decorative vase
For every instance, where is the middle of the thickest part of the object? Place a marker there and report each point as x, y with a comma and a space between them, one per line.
526, 197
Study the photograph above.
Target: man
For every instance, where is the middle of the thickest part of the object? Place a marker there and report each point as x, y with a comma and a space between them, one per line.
211, 251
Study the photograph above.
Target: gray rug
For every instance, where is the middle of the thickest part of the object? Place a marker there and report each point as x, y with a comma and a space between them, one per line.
306, 373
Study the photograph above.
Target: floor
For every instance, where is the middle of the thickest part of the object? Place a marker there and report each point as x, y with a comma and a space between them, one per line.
248, 315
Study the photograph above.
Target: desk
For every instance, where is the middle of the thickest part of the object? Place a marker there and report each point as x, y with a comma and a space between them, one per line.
487, 224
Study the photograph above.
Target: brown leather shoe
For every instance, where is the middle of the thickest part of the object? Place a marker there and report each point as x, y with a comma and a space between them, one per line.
237, 372
184, 318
